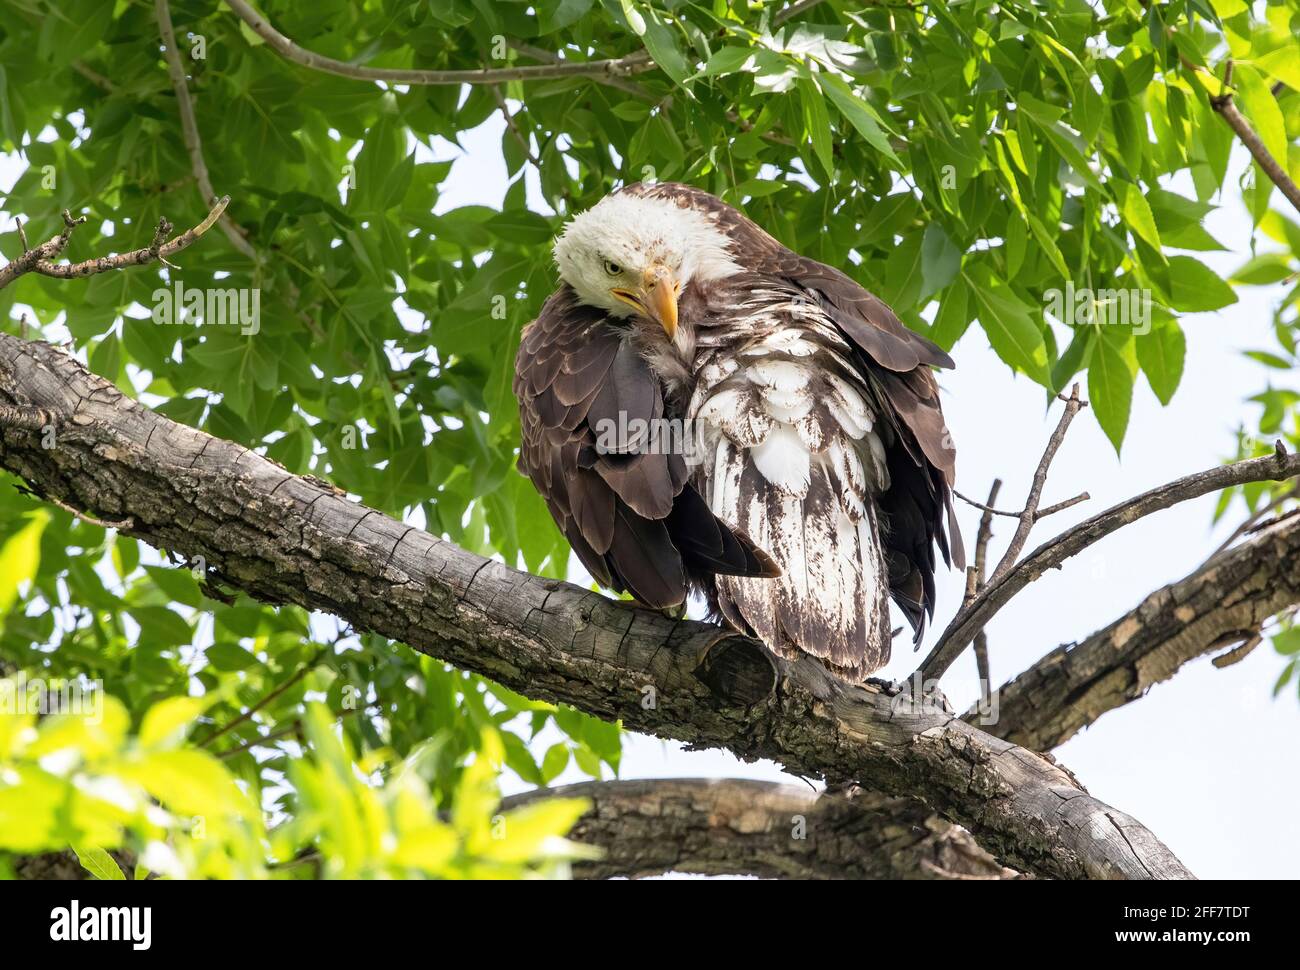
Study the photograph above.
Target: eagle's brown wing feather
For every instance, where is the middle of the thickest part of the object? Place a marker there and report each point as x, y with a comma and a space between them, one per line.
896, 362
632, 518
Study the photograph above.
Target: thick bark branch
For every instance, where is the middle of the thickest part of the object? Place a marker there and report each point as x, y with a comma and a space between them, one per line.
1223, 602
740, 827
286, 539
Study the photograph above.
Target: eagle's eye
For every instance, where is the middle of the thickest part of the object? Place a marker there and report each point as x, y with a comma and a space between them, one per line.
612, 268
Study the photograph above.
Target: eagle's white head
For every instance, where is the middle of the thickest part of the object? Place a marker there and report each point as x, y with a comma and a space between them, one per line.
632, 255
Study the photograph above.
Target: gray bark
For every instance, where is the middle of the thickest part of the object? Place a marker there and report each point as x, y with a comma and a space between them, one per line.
735, 827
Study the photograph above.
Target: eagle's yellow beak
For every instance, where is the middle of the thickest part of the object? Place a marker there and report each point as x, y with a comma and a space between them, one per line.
659, 289
656, 297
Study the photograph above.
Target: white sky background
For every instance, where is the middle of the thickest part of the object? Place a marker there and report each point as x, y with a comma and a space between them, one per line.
1207, 761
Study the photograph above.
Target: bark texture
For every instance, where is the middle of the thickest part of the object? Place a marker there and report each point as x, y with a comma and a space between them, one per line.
1225, 601
738, 827
288, 539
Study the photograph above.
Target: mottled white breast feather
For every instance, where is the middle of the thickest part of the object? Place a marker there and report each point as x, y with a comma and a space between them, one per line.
794, 458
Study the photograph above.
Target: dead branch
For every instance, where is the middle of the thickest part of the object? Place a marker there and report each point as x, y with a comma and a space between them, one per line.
741, 827
38, 260
1224, 601
1279, 466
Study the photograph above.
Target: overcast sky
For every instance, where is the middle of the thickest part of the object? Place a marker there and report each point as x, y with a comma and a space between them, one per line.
1207, 761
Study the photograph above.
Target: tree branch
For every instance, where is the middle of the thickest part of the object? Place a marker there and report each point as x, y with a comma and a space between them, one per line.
794, 10
970, 620
739, 827
1225, 601
1269, 165
38, 260
975, 582
190, 129
286, 539
1030, 514
602, 70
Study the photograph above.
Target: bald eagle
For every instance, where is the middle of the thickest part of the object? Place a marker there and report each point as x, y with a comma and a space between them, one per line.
813, 474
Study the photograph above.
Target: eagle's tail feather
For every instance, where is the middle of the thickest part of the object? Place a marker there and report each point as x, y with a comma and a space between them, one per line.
830, 598
710, 546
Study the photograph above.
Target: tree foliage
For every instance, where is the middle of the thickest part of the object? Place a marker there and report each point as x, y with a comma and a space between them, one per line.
962, 160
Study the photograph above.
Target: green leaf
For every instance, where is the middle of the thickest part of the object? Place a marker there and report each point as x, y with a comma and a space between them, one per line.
1196, 287
1264, 270
817, 125
1262, 109
1161, 354
633, 17
554, 762
860, 114
529, 830
727, 60
167, 722
661, 41
940, 261
953, 318
98, 862
1287, 642
1013, 333
1137, 213
177, 583
228, 657
555, 15
1282, 64
19, 558
1110, 383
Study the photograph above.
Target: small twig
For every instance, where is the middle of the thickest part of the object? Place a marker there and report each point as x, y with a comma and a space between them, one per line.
1073, 405
1238, 653
121, 526
1278, 467
128, 523
514, 127
157, 250
975, 585
1061, 506
794, 10
298, 675
32, 258
1256, 517
94, 77
1040, 514
257, 742
293, 728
